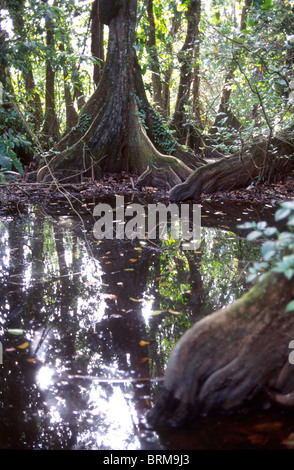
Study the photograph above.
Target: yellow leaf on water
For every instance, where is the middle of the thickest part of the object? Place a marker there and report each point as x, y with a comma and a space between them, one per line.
23, 345
156, 312
144, 359
32, 360
133, 260
136, 300
143, 343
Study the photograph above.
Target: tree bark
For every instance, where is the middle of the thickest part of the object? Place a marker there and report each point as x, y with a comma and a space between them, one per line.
256, 163
110, 133
97, 47
231, 357
224, 109
169, 70
152, 50
186, 72
51, 124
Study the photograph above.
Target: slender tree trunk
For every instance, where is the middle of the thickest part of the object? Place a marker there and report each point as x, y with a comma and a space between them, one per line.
224, 108
97, 47
185, 56
194, 140
169, 70
152, 50
51, 124
70, 112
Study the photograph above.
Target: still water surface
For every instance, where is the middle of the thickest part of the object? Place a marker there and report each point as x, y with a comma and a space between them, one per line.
87, 327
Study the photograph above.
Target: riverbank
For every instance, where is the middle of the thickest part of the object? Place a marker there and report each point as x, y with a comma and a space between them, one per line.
124, 184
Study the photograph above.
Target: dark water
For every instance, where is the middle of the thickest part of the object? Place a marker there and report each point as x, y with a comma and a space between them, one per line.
87, 327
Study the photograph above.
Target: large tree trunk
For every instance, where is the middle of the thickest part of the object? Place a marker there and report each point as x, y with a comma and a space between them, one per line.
232, 356
258, 162
110, 133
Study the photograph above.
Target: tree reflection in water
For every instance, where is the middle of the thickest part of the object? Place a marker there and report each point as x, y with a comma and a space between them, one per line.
99, 320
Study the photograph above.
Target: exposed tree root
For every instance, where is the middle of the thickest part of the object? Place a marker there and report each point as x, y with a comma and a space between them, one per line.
232, 355
258, 162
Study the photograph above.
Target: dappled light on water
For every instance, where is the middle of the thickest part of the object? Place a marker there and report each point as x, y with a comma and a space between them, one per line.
87, 326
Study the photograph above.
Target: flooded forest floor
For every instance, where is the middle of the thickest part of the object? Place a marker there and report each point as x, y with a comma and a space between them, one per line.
112, 184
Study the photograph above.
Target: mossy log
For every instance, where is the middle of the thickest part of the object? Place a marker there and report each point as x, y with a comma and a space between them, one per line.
232, 356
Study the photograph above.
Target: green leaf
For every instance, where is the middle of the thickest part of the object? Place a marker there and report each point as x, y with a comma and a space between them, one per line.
254, 235
290, 306
282, 213
269, 231
268, 250
15, 331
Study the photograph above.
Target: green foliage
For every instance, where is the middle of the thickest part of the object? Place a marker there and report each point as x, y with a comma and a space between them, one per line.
163, 135
13, 137
278, 249
84, 123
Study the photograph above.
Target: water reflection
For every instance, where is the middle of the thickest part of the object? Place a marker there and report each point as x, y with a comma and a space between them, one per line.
98, 320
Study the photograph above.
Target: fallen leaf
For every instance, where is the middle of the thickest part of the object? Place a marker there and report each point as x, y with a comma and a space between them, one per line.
144, 343
16, 331
156, 312
23, 345
32, 360
144, 359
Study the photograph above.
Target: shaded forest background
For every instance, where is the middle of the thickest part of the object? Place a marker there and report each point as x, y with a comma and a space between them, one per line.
218, 74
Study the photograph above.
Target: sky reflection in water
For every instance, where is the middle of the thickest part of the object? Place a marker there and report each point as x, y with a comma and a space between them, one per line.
109, 310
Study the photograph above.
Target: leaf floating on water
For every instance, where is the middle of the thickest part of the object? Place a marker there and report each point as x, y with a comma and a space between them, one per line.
268, 426
144, 359
289, 441
136, 300
120, 283
133, 260
23, 345
9, 349
110, 296
144, 343
156, 312
174, 312
129, 269
256, 439
33, 361
16, 331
